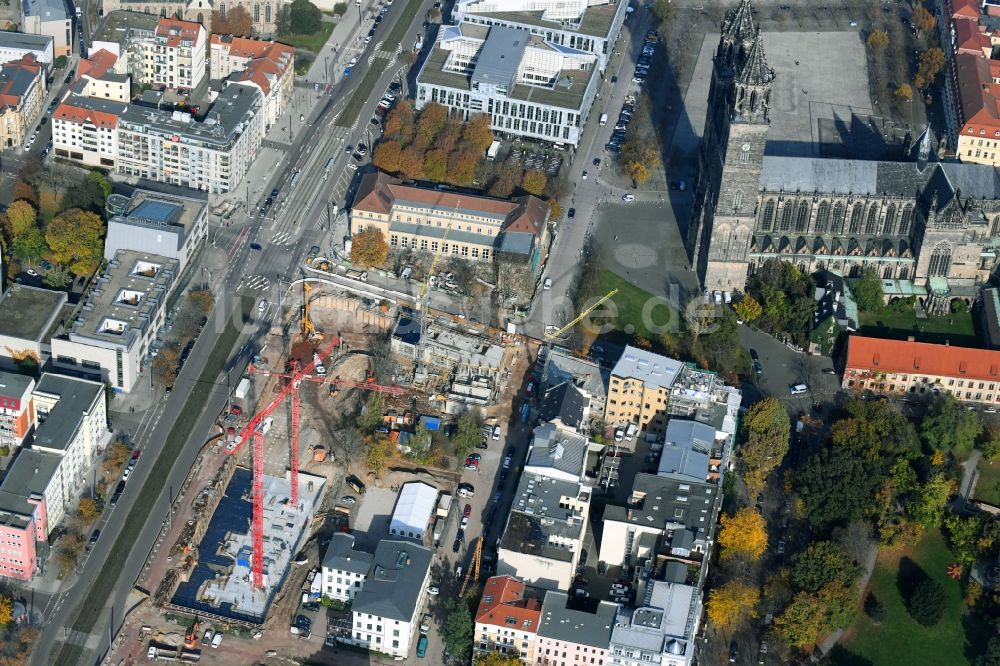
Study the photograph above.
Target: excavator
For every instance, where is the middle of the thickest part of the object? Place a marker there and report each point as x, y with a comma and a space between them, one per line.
308, 329
191, 637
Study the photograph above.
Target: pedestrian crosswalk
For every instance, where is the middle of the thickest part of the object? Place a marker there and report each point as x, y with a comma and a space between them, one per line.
254, 283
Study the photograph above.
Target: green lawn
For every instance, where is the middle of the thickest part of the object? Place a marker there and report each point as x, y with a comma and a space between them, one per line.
362, 94
313, 42
899, 639
630, 301
988, 486
957, 328
399, 28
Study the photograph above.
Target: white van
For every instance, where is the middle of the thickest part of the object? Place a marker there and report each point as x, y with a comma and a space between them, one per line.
547, 284
265, 425
798, 389
604, 119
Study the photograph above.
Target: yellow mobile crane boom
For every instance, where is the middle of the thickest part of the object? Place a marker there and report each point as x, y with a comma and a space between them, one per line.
556, 334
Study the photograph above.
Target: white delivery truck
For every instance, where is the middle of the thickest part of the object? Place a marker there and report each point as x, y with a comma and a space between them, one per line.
491, 154
604, 119
242, 389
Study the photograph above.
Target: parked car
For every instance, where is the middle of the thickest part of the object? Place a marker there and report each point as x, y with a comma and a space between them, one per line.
496, 433
467, 511
348, 499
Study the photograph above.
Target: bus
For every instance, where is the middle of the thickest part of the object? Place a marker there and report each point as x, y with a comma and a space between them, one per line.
422, 646
295, 178
326, 169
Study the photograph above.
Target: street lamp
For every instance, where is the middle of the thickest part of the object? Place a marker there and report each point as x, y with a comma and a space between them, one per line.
360, 17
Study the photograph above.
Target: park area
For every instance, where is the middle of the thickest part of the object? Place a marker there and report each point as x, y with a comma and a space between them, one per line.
957, 328
899, 639
988, 485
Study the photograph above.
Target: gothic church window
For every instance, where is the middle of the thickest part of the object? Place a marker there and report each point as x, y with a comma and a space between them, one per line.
856, 214
767, 219
802, 221
889, 228
904, 224
737, 200
838, 218
786, 217
871, 225
823, 217
940, 261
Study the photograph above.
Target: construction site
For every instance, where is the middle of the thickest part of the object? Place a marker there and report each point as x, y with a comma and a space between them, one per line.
286, 468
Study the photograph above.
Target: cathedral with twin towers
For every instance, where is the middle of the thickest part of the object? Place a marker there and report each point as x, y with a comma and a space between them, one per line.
934, 225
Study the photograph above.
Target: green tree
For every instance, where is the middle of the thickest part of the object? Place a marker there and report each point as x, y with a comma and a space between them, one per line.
990, 444
436, 165
87, 194
927, 508
991, 655
747, 308
875, 609
371, 414
963, 534
766, 430
29, 246
947, 426
6, 612
57, 276
821, 563
923, 19
836, 486
533, 182
456, 632
930, 65
927, 602
304, 18
812, 614
22, 217
369, 248
75, 239
468, 432
868, 291
496, 659
380, 452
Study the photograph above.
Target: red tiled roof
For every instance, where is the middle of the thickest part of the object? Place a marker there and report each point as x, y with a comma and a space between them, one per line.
28, 63
97, 64
269, 67
79, 115
976, 102
242, 47
503, 598
901, 356
175, 30
970, 39
965, 9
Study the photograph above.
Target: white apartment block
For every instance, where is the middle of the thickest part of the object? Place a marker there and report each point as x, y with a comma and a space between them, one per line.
590, 26
661, 631
110, 337
16, 45
385, 614
529, 87
175, 57
85, 130
344, 569
268, 65
211, 155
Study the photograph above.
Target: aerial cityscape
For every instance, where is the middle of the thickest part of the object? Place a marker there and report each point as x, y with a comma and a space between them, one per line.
500, 332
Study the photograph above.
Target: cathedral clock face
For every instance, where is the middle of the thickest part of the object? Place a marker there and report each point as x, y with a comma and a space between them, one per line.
746, 147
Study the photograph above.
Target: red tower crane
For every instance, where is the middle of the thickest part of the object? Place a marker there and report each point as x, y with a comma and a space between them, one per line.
289, 390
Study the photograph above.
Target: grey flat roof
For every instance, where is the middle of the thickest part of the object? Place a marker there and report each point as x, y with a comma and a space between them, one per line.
654, 503
15, 510
154, 209
21, 40
13, 385
557, 449
574, 626
654, 370
561, 366
596, 21
75, 397
95, 104
27, 312
104, 305
48, 10
223, 122
30, 473
395, 580
117, 25
500, 56
340, 555
686, 450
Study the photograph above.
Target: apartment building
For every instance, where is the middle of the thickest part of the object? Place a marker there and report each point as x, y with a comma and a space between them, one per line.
166, 225
85, 130
17, 409
562, 366
442, 222
560, 453
175, 58
507, 619
122, 33
97, 78
660, 631
109, 340
268, 65
529, 87
49, 18
639, 389
344, 569
571, 636
22, 98
385, 613
588, 26
42, 483
900, 367
28, 318
16, 45
544, 534
211, 155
